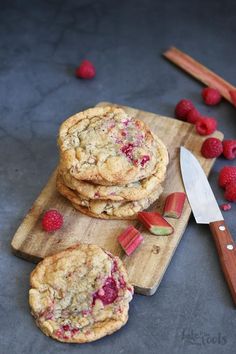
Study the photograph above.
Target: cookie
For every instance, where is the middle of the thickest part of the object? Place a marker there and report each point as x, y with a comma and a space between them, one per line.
107, 146
80, 295
107, 209
132, 191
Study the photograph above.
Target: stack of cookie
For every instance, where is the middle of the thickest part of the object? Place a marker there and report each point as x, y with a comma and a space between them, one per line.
111, 165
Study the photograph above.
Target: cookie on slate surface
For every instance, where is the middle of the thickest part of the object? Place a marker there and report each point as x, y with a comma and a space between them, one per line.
132, 191
107, 209
105, 145
80, 295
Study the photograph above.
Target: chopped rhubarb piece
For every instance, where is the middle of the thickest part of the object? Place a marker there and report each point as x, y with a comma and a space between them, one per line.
174, 205
155, 223
130, 239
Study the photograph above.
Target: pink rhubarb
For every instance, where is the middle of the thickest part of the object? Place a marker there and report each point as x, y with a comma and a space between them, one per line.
130, 239
174, 205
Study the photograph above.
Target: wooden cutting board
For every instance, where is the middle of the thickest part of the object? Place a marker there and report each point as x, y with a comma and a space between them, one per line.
148, 264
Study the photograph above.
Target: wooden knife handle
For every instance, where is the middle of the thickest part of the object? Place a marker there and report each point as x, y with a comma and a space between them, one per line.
227, 253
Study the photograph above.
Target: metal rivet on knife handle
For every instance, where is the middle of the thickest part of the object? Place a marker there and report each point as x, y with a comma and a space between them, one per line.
221, 228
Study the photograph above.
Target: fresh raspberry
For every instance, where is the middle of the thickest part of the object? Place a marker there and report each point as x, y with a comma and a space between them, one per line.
86, 70
225, 206
230, 191
211, 147
229, 149
192, 116
206, 125
182, 108
227, 174
233, 96
211, 96
52, 220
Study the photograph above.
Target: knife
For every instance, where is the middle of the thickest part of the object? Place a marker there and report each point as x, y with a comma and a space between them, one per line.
206, 211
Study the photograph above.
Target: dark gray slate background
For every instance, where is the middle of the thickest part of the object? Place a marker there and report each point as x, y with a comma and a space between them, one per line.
41, 44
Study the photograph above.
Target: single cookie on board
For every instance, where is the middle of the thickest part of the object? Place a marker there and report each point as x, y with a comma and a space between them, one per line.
107, 209
107, 146
132, 191
80, 295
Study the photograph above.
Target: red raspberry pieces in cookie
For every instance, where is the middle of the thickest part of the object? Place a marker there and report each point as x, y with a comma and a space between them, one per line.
193, 116
74, 331
182, 108
128, 150
211, 147
229, 149
48, 314
230, 191
122, 282
108, 293
86, 70
211, 96
66, 328
70, 331
206, 125
144, 160
52, 220
227, 174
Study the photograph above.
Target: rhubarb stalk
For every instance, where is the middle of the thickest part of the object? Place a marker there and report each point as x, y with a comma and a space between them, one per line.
201, 73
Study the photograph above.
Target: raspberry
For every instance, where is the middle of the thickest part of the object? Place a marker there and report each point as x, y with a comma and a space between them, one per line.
144, 160
86, 70
211, 147
52, 220
229, 149
225, 206
227, 174
108, 293
233, 96
128, 150
211, 96
192, 116
66, 328
206, 125
230, 191
182, 108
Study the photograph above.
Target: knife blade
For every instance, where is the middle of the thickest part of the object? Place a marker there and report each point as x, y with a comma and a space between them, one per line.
206, 211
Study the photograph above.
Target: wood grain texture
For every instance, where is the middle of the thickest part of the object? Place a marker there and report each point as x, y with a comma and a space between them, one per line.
148, 264
227, 253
